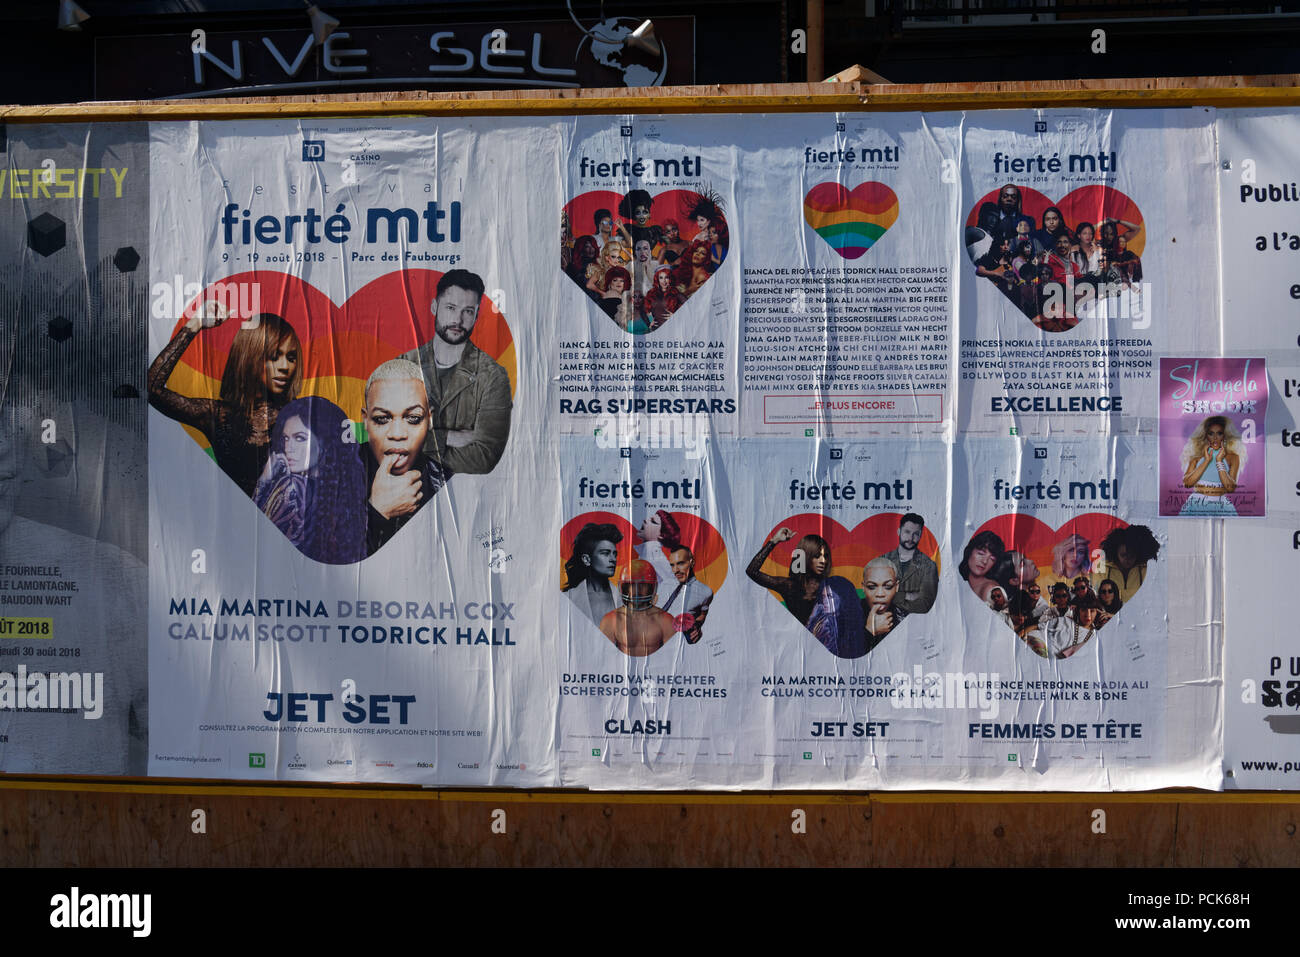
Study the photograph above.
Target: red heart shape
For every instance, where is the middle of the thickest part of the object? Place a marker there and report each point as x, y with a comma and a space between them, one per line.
698, 535
1057, 555
1057, 285
851, 551
341, 345
647, 305
701, 537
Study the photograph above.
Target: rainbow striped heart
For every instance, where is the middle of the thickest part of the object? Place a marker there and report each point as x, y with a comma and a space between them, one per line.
850, 222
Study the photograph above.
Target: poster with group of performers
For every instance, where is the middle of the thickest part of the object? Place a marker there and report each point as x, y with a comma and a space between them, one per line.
812, 451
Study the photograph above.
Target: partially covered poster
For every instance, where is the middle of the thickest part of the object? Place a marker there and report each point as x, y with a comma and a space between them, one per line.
73, 481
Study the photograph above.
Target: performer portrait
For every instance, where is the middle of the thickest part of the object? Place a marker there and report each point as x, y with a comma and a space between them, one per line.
262, 373
401, 478
982, 554
1212, 461
1126, 551
589, 569
467, 388
918, 582
691, 597
314, 485
880, 592
810, 563
637, 627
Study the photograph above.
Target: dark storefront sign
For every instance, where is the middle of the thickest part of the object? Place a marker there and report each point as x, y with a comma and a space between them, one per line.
553, 54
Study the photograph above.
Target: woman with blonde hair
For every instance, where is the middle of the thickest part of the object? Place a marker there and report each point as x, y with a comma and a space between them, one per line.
1212, 461
612, 254
262, 374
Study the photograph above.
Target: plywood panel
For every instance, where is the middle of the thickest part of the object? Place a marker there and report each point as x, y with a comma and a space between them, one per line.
311, 827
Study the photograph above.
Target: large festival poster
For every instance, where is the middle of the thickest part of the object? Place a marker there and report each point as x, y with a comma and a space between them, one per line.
1259, 241
344, 576
849, 276
74, 203
1090, 250
1085, 621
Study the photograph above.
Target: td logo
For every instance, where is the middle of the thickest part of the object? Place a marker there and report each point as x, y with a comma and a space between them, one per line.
256, 760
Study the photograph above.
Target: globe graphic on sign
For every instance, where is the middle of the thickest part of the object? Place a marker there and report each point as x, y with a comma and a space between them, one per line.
637, 67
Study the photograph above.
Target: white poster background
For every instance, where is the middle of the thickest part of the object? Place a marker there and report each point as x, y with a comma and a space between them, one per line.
1258, 196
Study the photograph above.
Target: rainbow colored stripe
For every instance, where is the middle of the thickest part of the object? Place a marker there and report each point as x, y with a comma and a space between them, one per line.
850, 222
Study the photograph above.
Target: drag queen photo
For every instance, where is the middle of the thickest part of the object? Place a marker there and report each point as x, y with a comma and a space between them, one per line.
1212, 461
314, 485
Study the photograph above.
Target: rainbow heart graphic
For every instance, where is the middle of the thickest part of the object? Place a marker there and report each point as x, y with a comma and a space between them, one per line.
850, 221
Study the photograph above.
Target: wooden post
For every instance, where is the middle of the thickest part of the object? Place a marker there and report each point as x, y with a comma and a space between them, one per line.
816, 41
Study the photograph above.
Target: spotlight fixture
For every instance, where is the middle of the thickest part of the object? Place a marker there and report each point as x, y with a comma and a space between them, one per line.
322, 24
71, 16
643, 38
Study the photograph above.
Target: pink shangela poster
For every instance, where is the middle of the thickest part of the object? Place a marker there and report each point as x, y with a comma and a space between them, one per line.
1212, 415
